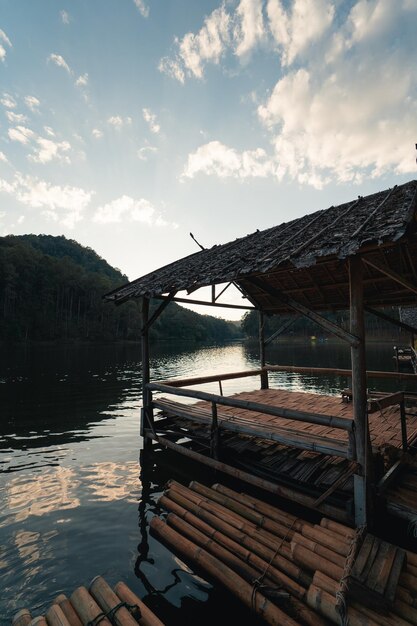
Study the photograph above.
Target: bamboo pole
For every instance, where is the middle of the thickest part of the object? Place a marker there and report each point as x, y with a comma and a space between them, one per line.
126, 595
263, 508
341, 529
319, 549
297, 369
39, 621
22, 618
223, 574
234, 539
86, 607
329, 540
313, 561
213, 378
325, 604
55, 616
203, 507
245, 563
341, 423
267, 485
68, 610
146, 413
242, 510
107, 599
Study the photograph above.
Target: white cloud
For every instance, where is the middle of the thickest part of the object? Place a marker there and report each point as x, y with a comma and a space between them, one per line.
82, 80
125, 207
214, 158
128, 209
32, 103
3, 157
117, 121
65, 18
4, 40
48, 150
150, 119
43, 150
146, 151
195, 50
20, 134
16, 118
64, 204
249, 29
142, 7
347, 110
97, 133
58, 60
8, 101
344, 119
239, 30
294, 29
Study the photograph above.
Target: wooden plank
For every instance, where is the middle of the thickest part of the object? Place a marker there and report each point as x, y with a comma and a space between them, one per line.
382, 579
370, 561
198, 380
363, 556
375, 575
285, 436
385, 401
303, 416
398, 566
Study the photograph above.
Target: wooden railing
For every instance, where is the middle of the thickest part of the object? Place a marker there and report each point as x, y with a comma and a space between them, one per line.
287, 436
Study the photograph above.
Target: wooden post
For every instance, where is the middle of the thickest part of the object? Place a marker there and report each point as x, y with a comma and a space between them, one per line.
146, 413
403, 426
215, 435
359, 398
264, 375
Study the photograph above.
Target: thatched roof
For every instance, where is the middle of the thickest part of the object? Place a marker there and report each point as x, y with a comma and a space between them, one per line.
304, 256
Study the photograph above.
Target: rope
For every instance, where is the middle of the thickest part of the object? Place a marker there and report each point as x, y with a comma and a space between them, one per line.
341, 594
257, 584
132, 608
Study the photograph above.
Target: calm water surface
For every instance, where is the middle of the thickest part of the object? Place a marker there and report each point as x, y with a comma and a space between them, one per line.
74, 499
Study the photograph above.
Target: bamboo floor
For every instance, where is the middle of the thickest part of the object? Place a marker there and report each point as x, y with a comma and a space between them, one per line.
288, 570
309, 472
100, 604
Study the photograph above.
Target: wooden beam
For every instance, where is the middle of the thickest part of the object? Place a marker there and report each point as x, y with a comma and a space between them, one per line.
264, 375
359, 393
339, 372
281, 329
214, 378
301, 308
392, 320
391, 274
158, 312
302, 416
222, 291
207, 303
146, 412
279, 490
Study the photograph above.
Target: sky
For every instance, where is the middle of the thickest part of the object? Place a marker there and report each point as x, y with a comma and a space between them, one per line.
128, 124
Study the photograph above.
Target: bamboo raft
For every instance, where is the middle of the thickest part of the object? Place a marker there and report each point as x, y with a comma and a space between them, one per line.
98, 604
312, 462
288, 570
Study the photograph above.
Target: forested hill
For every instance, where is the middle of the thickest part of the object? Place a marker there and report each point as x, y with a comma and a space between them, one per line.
51, 288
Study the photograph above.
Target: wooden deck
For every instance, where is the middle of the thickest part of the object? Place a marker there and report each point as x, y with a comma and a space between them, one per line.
263, 449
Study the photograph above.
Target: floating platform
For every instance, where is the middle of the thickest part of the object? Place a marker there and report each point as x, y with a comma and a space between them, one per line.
97, 605
290, 571
311, 463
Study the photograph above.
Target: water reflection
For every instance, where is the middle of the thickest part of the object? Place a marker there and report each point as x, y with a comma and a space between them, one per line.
72, 502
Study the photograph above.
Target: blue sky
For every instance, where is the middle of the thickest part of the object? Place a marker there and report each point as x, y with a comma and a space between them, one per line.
126, 124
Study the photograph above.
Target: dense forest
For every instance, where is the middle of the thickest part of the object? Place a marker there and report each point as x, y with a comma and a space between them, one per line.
303, 327
51, 288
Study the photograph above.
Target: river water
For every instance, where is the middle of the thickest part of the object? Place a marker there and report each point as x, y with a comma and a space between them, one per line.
74, 499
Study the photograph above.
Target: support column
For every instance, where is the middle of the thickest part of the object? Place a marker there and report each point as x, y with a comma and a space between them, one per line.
146, 412
359, 396
264, 375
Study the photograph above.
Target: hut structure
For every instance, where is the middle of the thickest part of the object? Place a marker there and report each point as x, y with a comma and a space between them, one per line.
325, 453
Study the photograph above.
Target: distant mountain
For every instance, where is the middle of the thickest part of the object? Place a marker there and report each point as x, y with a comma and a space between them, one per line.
51, 288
